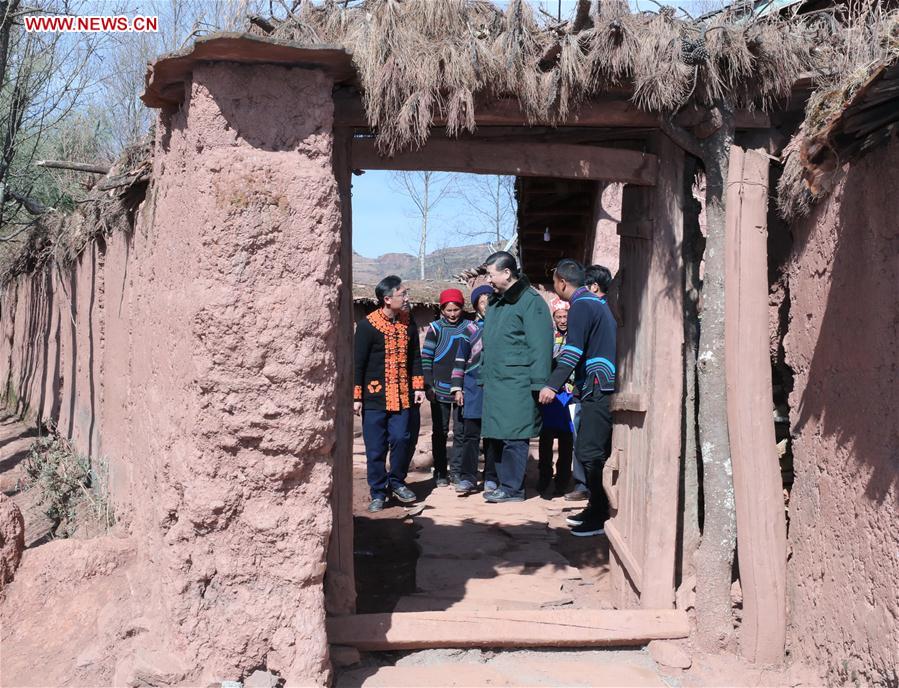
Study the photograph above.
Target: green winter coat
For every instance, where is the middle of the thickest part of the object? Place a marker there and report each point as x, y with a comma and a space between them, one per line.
515, 363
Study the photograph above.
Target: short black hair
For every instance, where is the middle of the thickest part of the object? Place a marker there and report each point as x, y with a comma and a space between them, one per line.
599, 275
571, 271
503, 261
386, 287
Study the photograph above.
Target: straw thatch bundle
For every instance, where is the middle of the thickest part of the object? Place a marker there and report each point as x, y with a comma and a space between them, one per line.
420, 60
864, 50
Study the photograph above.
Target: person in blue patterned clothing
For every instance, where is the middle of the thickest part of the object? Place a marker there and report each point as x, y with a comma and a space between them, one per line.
589, 352
438, 357
470, 398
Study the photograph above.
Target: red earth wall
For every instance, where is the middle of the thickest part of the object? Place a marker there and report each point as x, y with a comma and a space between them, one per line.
197, 354
843, 570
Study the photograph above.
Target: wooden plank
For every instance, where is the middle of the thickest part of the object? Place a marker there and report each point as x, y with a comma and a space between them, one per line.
625, 554
543, 628
340, 583
567, 161
630, 400
663, 449
640, 229
758, 490
166, 77
597, 113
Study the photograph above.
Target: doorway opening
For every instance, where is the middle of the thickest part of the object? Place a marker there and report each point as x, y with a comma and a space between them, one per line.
458, 556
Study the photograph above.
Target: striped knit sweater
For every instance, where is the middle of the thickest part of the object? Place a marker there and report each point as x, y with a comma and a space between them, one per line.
590, 347
438, 355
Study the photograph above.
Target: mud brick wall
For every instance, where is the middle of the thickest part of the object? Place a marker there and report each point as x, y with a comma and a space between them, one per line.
197, 355
843, 571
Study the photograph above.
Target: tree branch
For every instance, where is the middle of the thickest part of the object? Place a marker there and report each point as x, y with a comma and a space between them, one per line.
32, 206
682, 138
93, 168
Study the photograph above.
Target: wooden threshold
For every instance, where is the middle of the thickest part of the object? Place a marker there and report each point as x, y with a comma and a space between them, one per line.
540, 628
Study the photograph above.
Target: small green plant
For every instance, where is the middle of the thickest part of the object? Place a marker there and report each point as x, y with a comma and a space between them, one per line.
69, 485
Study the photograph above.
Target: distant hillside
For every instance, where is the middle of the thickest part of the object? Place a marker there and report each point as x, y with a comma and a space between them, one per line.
440, 264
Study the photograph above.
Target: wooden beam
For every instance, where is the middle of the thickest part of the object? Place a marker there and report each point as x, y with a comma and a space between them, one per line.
758, 490
524, 160
543, 628
602, 112
625, 556
629, 401
666, 363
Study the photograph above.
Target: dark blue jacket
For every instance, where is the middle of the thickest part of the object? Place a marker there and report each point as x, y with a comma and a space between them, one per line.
590, 348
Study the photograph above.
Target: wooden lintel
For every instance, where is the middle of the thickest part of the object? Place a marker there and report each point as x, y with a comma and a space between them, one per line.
543, 628
602, 112
566, 161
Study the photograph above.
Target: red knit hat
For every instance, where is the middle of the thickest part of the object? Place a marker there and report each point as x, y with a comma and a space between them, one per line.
451, 296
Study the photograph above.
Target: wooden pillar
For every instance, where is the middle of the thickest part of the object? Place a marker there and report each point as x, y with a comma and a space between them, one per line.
340, 589
665, 291
758, 492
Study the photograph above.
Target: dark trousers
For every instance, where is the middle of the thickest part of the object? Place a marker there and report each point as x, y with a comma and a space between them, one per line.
385, 431
577, 468
563, 463
594, 443
511, 459
471, 449
414, 429
441, 411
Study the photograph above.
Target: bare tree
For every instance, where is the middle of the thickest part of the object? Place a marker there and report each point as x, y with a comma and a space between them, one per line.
490, 200
44, 78
426, 190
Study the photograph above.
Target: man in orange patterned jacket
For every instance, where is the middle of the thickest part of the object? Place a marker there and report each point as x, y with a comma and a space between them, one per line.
387, 382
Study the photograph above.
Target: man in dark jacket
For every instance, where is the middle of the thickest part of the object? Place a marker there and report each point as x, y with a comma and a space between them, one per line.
515, 365
388, 381
589, 352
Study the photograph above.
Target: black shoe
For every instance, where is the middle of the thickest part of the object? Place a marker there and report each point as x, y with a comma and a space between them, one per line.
499, 496
578, 518
377, 504
442, 481
577, 496
589, 528
404, 494
542, 485
465, 488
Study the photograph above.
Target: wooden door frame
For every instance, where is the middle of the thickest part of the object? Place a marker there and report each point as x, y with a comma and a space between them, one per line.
648, 170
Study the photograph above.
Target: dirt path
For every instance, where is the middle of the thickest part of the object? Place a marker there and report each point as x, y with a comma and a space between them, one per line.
464, 553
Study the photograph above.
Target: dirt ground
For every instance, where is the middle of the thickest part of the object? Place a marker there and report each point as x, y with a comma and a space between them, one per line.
465, 539
71, 618
462, 553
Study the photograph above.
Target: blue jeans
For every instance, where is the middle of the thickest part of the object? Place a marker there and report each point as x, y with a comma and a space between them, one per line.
511, 460
385, 431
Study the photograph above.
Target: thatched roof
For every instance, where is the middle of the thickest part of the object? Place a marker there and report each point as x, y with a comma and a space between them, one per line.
422, 292
855, 114
419, 61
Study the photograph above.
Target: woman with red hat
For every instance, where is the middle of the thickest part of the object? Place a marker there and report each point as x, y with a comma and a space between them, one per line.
438, 357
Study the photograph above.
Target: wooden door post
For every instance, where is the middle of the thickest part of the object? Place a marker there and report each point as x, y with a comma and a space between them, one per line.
340, 582
758, 490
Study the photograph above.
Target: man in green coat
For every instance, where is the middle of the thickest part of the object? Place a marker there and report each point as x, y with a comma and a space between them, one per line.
515, 365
